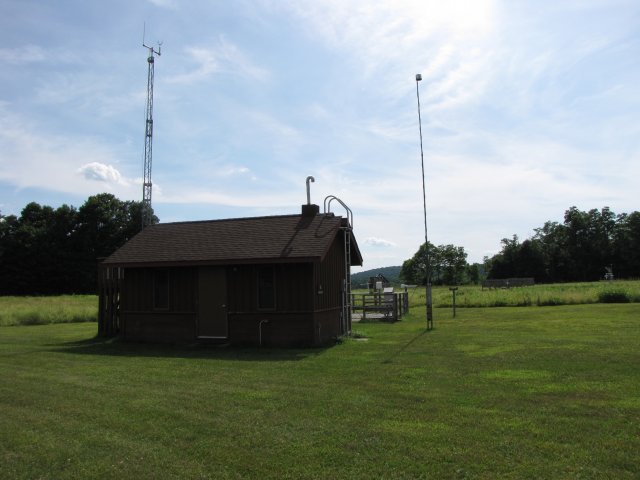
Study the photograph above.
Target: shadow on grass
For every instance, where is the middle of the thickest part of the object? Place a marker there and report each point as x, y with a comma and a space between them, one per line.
397, 353
118, 348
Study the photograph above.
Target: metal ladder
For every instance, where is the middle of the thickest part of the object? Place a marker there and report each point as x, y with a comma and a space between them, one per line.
346, 284
346, 303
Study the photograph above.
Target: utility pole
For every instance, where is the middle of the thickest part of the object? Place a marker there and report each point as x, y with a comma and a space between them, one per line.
429, 299
148, 138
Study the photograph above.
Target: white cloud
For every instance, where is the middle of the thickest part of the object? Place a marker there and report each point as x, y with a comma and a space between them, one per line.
22, 55
169, 4
373, 25
206, 62
226, 197
30, 156
261, 120
378, 242
29, 54
87, 91
100, 172
222, 58
235, 171
395, 37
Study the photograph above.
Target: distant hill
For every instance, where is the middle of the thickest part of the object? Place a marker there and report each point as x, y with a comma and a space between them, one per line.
390, 273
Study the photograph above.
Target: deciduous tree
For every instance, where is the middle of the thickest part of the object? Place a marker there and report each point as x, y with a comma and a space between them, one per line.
47, 251
448, 265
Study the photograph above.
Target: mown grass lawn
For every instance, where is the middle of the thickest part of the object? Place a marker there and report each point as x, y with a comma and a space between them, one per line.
540, 392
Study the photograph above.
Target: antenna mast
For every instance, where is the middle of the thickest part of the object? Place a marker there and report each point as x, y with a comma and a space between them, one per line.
148, 138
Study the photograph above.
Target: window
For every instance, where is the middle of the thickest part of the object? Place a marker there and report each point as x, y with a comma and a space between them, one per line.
266, 288
161, 289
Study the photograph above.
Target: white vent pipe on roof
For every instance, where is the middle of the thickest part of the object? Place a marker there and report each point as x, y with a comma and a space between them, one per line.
309, 179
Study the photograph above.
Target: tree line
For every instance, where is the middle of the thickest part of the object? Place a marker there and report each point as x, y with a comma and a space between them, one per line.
584, 247
48, 251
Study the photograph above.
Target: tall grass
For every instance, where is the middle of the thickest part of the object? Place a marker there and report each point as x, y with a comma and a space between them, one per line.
44, 310
535, 295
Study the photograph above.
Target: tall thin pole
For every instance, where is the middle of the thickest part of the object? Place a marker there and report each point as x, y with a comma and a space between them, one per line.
148, 140
429, 300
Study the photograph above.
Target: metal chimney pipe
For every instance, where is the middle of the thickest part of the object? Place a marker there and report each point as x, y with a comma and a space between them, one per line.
309, 179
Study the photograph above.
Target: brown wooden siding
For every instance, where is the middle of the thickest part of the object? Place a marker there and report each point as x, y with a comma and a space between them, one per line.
290, 323
330, 273
159, 327
293, 288
137, 290
279, 330
327, 325
142, 322
302, 316
109, 285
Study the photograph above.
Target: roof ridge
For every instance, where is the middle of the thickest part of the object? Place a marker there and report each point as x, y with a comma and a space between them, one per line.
279, 238
237, 219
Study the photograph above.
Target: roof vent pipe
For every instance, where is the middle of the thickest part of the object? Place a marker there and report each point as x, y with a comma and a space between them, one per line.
310, 210
309, 179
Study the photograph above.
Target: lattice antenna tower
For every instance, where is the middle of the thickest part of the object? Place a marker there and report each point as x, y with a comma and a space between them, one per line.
148, 137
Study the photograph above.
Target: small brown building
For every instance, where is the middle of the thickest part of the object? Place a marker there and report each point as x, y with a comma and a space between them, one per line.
277, 281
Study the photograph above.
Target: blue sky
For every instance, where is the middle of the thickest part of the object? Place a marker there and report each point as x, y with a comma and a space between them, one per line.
528, 108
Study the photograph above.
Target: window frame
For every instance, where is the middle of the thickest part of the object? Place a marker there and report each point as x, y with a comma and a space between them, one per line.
262, 289
164, 275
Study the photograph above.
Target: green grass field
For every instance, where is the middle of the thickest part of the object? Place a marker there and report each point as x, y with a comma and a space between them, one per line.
539, 392
619, 291
43, 310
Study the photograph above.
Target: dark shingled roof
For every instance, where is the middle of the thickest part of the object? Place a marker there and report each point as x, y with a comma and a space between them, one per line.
291, 238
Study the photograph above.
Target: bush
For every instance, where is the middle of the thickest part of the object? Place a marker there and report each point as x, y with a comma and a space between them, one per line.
30, 318
614, 296
552, 302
